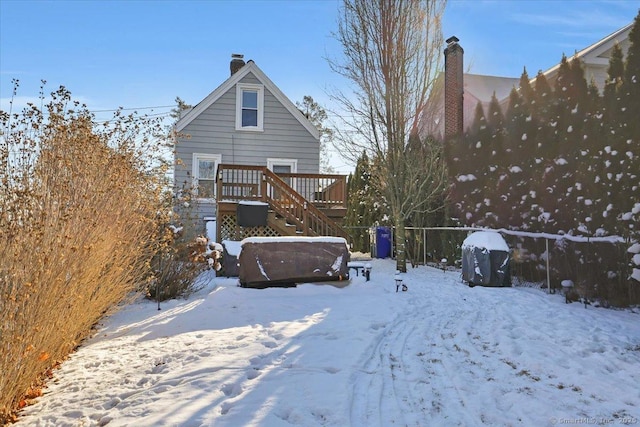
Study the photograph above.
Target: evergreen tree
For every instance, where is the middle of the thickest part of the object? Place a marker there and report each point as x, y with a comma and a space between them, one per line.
630, 142
543, 117
528, 112
179, 110
578, 92
579, 153
515, 176
362, 205
611, 135
496, 166
611, 96
574, 141
543, 96
526, 136
631, 83
472, 180
526, 90
587, 157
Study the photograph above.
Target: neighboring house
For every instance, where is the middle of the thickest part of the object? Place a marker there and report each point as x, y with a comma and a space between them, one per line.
480, 88
246, 121
595, 58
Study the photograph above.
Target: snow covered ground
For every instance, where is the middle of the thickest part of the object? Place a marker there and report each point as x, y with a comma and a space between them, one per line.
441, 354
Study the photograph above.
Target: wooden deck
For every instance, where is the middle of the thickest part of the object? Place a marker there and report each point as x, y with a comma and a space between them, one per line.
299, 204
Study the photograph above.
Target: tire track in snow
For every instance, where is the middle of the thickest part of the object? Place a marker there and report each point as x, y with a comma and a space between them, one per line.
380, 388
434, 331
449, 365
385, 390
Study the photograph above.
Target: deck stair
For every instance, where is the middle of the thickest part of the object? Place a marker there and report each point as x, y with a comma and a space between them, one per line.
299, 204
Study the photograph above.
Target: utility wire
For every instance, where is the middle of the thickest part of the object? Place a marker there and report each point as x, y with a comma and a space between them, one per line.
131, 109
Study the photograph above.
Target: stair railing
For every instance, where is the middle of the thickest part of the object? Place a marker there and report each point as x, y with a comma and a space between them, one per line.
240, 182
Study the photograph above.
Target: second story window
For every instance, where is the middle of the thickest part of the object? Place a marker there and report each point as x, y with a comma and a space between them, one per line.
249, 107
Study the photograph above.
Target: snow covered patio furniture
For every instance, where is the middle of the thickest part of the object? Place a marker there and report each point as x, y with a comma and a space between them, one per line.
361, 266
285, 261
485, 259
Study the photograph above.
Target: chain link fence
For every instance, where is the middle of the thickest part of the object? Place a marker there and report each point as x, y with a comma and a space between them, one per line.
600, 268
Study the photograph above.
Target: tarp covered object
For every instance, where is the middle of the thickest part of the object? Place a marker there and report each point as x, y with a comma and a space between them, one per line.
277, 261
485, 259
230, 252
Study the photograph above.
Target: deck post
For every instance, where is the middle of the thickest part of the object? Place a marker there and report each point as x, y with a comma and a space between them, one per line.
263, 188
305, 218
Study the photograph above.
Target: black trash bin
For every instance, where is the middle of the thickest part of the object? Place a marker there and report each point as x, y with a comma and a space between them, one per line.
252, 214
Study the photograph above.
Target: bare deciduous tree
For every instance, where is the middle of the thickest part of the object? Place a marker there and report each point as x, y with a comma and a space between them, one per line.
392, 57
317, 115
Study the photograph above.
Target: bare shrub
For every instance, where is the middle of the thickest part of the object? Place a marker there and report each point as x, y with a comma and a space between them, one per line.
79, 212
177, 264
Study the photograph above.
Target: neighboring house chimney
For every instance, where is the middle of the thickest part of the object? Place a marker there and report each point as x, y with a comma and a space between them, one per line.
236, 62
453, 89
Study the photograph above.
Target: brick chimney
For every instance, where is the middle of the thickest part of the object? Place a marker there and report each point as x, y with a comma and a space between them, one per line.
453, 89
236, 63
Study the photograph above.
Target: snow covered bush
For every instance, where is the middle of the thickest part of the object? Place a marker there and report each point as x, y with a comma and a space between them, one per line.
78, 225
634, 250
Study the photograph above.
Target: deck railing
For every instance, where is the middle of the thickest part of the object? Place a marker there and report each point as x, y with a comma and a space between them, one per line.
296, 197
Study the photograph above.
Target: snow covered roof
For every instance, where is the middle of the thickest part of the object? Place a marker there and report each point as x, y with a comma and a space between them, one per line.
486, 239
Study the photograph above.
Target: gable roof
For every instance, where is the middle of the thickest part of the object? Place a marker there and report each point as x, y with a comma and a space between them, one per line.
483, 87
249, 67
596, 55
593, 55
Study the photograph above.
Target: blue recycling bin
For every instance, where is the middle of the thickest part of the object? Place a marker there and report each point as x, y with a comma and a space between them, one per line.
380, 242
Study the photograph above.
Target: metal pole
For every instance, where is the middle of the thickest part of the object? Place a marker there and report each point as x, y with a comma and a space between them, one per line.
546, 241
424, 240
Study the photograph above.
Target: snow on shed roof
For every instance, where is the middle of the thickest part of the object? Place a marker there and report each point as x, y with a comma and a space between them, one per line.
485, 239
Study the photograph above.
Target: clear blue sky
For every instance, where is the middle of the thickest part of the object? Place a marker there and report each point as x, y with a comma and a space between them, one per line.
145, 53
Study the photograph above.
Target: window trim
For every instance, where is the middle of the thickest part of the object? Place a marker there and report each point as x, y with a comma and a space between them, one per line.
271, 162
240, 88
195, 169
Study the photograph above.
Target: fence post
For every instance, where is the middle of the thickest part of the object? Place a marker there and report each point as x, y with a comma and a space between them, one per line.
546, 241
424, 253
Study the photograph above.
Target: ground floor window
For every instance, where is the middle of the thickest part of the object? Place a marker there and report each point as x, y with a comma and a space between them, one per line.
205, 167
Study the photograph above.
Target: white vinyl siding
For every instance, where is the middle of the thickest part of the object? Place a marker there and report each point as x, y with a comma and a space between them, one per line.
249, 107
